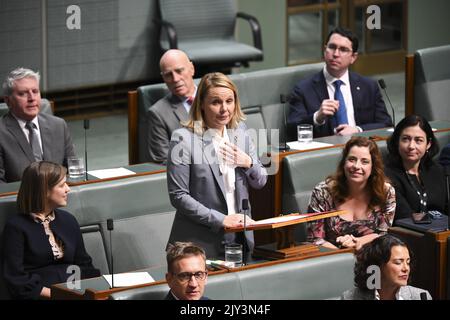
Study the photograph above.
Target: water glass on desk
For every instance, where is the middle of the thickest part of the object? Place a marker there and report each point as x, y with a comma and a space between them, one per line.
76, 168
233, 253
305, 133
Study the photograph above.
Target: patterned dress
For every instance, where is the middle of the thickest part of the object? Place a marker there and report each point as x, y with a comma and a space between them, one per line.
320, 231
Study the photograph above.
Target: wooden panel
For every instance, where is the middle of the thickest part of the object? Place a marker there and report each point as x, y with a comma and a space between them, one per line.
133, 148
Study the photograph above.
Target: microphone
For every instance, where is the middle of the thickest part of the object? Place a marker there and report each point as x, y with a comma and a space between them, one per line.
245, 209
86, 127
110, 227
383, 86
423, 296
283, 146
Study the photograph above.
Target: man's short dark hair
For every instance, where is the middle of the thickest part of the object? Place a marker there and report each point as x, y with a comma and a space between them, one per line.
180, 250
345, 33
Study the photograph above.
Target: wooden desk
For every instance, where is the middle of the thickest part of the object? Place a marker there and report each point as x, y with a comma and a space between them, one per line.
267, 202
429, 269
8, 189
98, 288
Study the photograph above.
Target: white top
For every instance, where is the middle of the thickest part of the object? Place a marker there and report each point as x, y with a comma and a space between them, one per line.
227, 170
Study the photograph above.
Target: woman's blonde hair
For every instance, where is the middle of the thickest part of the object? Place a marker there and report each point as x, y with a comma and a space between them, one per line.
38, 180
196, 120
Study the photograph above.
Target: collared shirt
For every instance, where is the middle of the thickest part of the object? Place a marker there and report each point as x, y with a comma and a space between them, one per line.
37, 131
56, 244
346, 93
186, 105
227, 170
397, 295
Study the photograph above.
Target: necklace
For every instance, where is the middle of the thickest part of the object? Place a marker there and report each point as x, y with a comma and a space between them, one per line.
423, 197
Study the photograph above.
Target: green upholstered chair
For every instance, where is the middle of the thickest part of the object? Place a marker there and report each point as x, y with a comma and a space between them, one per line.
317, 278
204, 29
432, 83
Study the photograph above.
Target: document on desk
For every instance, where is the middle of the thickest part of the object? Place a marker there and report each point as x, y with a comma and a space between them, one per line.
110, 173
280, 219
129, 279
307, 146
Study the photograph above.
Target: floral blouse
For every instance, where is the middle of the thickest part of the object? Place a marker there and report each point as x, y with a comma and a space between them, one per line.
320, 231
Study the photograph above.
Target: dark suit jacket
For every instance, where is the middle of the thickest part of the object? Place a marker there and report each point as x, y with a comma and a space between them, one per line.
197, 191
171, 297
28, 263
408, 201
16, 153
163, 118
307, 96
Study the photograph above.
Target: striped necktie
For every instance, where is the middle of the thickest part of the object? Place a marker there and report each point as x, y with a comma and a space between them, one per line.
33, 139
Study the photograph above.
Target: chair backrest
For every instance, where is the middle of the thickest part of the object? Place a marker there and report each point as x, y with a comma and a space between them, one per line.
324, 277
45, 107
432, 83
7, 208
200, 19
259, 94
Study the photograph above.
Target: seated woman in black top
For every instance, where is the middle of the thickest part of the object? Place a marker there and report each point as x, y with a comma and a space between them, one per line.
42, 242
419, 181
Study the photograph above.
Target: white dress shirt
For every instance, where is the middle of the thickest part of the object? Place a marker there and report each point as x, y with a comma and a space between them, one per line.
346, 93
37, 131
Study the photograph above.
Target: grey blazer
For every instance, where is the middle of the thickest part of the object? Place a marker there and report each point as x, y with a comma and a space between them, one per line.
196, 189
406, 292
163, 119
16, 153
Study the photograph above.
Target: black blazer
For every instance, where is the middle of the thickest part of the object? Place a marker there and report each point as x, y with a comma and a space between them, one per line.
408, 201
308, 94
28, 263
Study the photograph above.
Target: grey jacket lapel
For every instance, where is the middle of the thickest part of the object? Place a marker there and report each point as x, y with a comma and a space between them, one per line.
178, 108
180, 112
209, 155
46, 137
14, 127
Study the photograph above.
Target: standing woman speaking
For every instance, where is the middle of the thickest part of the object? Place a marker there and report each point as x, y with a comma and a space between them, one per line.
211, 163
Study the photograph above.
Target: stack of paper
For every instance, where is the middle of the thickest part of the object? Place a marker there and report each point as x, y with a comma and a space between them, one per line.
129, 279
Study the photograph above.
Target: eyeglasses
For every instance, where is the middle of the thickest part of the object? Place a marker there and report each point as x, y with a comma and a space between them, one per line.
342, 50
168, 74
186, 276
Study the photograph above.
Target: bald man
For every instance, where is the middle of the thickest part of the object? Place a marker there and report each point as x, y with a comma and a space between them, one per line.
166, 114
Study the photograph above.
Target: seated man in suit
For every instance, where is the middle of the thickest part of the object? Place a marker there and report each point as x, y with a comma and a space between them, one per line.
165, 115
26, 135
336, 101
187, 274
